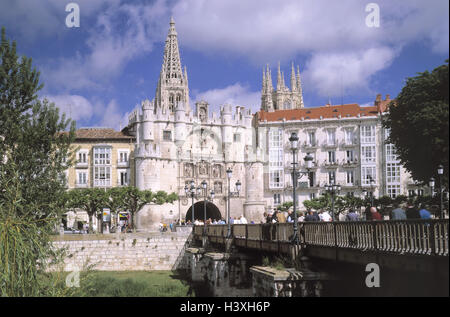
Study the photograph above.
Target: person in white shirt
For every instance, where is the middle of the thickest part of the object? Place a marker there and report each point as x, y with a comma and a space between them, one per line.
325, 216
243, 220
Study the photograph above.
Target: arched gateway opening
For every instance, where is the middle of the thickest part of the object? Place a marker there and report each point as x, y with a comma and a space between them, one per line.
211, 211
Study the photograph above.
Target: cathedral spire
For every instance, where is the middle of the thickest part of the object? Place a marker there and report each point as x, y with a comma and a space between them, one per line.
279, 78
299, 87
172, 62
293, 80
172, 86
264, 84
269, 80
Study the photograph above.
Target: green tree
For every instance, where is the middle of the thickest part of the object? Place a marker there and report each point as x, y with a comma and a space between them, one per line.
419, 124
34, 144
134, 199
91, 200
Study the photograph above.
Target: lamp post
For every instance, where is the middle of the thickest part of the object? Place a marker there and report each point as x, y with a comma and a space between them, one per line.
440, 174
204, 185
333, 189
295, 176
431, 185
230, 194
190, 190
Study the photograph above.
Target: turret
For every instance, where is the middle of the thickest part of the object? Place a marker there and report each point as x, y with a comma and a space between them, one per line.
227, 116
180, 124
147, 119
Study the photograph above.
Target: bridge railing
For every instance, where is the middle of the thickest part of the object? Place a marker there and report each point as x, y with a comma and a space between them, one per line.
428, 237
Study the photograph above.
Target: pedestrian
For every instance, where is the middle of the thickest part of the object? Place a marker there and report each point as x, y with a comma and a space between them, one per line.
375, 215
290, 216
326, 216
412, 212
310, 216
280, 217
352, 215
301, 217
398, 213
424, 213
244, 220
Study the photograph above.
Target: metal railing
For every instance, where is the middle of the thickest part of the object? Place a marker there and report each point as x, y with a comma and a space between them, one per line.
419, 237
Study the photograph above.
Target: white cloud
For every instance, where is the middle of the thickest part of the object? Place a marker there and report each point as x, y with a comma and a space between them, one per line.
343, 53
73, 106
121, 33
236, 95
333, 74
113, 117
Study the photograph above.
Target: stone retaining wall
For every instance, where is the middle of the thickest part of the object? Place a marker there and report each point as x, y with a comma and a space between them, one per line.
123, 252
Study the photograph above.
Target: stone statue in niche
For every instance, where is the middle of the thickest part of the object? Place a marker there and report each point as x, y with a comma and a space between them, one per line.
188, 170
216, 171
203, 169
218, 187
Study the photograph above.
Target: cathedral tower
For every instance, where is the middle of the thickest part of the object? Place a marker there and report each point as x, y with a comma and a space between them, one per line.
282, 98
172, 88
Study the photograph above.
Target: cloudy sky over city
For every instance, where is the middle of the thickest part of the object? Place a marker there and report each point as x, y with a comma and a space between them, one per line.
100, 71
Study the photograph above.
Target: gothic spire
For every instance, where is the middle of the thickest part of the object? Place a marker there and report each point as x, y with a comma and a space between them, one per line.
279, 77
264, 84
299, 87
172, 62
293, 80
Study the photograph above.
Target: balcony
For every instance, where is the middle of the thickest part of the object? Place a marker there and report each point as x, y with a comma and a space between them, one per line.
328, 144
80, 164
349, 143
123, 163
332, 164
310, 146
350, 163
81, 185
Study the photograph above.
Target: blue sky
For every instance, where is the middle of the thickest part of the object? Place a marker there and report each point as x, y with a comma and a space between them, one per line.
99, 72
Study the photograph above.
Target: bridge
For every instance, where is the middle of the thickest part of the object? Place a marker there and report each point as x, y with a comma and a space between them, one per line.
413, 245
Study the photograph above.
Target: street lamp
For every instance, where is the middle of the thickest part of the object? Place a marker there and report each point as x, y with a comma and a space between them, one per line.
190, 190
333, 189
431, 184
295, 176
440, 174
230, 194
204, 185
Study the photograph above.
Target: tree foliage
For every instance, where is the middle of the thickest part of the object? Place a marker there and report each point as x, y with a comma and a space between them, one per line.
419, 124
34, 145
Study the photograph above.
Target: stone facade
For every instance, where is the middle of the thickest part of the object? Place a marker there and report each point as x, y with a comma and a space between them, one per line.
124, 252
176, 144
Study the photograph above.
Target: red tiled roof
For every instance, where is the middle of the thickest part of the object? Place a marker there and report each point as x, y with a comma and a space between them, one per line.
101, 133
326, 112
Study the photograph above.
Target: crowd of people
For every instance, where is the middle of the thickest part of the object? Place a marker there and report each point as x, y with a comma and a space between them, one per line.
397, 212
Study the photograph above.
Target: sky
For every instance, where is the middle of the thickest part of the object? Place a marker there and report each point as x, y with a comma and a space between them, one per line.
348, 51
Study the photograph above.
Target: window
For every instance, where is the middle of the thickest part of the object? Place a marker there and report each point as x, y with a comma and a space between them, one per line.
368, 154
420, 192
393, 190
237, 137
367, 173
391, 156
331, 137
351, 194
349, 155
311, 138
102, 166
123, 157
331, 177
368, 134
275, 158
123, 178
276, 179
276, 199
411, 193
82, 157
312, 196
392, 173
82, 178
331, 156
167, 135
350, 177
348, 136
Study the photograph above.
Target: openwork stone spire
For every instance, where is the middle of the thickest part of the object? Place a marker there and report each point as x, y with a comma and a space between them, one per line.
173, 83
172, 62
